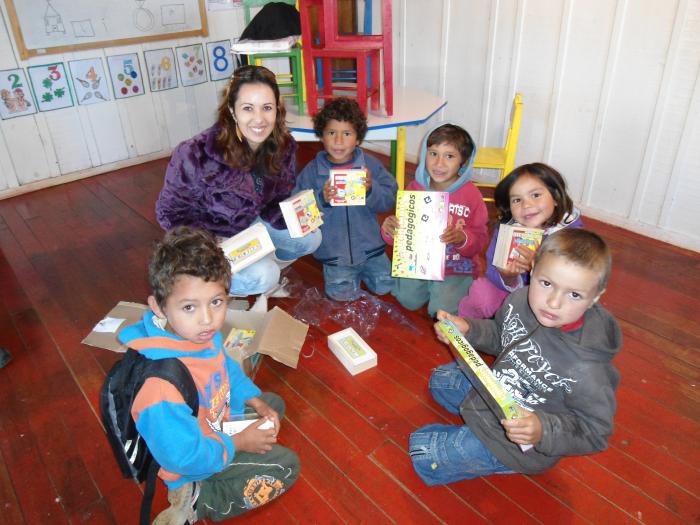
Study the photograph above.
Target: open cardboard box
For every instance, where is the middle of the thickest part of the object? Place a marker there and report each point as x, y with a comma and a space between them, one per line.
277, 333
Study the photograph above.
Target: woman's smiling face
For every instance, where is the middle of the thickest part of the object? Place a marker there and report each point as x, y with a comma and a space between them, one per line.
255, 111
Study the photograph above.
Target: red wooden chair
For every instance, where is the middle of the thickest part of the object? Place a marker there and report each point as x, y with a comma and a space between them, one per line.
383, 42
315, 45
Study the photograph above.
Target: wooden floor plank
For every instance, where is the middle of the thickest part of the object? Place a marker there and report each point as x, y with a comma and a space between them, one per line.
69, 253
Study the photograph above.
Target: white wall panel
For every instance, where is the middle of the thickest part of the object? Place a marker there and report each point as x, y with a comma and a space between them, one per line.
611, 92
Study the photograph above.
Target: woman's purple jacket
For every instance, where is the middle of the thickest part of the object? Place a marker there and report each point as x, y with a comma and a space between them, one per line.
201, 191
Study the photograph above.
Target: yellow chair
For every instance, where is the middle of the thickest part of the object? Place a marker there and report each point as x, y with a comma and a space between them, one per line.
502, 158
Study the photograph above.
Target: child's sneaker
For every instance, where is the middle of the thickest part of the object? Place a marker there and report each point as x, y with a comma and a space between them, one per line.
182, 509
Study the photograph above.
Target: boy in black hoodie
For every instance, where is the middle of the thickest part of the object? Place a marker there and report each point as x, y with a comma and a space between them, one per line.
555, 345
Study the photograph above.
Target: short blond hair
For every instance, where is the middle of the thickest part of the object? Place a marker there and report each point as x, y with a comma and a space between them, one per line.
581, 247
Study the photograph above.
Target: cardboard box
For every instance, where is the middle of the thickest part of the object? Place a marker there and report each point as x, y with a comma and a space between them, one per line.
352, 351
277, 334
247, 247
301, 214
418, 251
350, 187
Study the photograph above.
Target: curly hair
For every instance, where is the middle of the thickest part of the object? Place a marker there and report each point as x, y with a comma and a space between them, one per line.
342, 109
551, 178
186, 251
238, 154
454, 135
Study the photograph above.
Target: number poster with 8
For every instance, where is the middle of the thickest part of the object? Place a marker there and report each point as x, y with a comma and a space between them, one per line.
221, 64
16, 94
50, 86
125, 72
190, 60
160, 65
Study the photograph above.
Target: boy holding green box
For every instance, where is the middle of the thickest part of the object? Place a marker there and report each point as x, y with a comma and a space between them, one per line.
555, 345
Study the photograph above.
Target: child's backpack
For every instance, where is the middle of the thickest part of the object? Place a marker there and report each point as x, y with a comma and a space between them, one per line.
119, 390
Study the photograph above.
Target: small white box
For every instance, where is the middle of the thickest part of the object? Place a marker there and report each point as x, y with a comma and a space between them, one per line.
352, 351
247, 247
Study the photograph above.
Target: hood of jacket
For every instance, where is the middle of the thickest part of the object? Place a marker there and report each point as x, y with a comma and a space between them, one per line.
465, 172
150, 338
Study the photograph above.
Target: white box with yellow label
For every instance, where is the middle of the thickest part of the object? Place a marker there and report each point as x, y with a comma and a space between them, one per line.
352, 351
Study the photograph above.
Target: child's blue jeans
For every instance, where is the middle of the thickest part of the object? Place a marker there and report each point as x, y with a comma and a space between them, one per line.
446, 453
264, 274
343, 282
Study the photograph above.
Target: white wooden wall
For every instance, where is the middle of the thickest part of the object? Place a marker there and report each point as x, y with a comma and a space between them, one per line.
611, 96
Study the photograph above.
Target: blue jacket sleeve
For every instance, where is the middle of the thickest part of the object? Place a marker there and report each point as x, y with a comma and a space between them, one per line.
242, 388
382, 196
177, 442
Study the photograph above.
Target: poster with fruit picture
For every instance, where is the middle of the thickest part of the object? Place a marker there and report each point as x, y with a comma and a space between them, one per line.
15, 94
190, 61
50, 86
89, 81
125, 73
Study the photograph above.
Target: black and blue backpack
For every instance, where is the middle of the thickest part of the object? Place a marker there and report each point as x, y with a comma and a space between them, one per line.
119, 390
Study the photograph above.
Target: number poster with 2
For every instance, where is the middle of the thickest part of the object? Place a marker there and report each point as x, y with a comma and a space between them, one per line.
126, 76
16, 94
221, 65
160, 65
50, 86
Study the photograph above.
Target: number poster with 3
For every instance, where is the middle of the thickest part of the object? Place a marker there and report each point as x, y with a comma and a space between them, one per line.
160, 65
125, 73
89, 81
51, 87
190, 60
16, 94
221, 64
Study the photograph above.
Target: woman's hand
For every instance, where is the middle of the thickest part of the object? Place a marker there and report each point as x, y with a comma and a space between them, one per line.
526, 429
390, 224
453, 235
329, 191
460, 322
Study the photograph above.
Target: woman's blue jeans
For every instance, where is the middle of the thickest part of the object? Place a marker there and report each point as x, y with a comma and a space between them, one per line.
264, 274
446, 453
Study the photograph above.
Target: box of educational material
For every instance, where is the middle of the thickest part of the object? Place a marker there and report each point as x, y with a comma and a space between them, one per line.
350, 187
247, 247
513, 238
352, 351
250, 334
418, 251
301, 213
481, 377
479, 374
238, 423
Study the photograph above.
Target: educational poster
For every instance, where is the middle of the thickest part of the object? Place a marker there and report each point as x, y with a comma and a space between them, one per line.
160, 65
221, 64
418, 251
89, 81
16, 94
50, 86
190, 61
125, 73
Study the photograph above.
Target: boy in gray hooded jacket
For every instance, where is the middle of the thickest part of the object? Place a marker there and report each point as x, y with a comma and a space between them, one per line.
554, 345
352, 249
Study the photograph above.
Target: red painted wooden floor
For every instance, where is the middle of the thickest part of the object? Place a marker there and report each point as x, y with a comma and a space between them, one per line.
69, 253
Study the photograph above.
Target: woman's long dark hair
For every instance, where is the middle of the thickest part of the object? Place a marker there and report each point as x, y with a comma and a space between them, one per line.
238, 154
